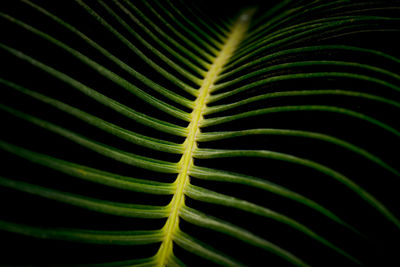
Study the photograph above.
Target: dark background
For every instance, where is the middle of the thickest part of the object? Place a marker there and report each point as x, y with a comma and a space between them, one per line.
379, 248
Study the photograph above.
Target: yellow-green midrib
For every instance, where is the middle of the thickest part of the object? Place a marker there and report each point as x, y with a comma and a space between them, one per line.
186, 162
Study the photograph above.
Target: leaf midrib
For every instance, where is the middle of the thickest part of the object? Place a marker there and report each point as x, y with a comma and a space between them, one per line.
190, 145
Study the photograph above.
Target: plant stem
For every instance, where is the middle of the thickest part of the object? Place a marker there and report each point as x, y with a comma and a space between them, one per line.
190, 145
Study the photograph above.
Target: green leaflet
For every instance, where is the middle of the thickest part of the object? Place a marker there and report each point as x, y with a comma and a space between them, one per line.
115, 78
219, 108
347, 112
97, 237
90, 174
130, 136
224, 176
170, 128
178, 46
304, 134
119, 209
202, 250
176, 98
391, 86
184, 86
220, 199
221, 226
278, 54
307, 163
105, 150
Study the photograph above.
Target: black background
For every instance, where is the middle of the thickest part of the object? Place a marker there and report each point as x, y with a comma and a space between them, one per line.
378, 249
